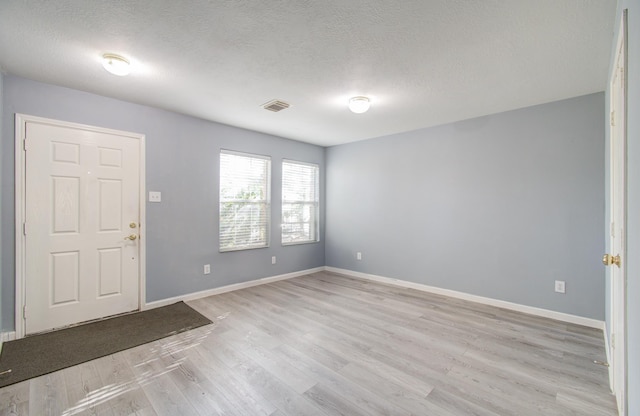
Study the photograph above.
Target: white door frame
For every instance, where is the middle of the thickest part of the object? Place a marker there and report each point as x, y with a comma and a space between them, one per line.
617, 311
20, 209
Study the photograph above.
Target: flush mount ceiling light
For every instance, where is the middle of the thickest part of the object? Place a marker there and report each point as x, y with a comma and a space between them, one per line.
359, 105
115, 64
276, 105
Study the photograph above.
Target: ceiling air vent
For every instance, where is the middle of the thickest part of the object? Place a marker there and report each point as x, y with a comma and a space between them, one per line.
275, 105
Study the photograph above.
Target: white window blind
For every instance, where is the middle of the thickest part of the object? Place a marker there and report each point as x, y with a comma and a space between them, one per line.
300, 201
244, 201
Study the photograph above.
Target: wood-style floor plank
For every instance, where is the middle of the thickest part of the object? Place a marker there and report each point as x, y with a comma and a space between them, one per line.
326, 344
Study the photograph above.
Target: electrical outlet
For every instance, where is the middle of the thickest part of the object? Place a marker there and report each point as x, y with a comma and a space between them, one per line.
560, 288
155, 196
358, 256
273, 259
207, 269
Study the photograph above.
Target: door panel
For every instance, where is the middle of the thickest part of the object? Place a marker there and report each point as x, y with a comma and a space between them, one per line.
110, 203
110, 271
65, 193
82, 191
64, 277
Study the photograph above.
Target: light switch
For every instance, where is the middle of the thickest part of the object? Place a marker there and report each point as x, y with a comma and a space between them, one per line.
155, 196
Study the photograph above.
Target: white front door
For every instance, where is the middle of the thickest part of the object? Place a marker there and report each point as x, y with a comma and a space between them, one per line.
82, 221
617, 200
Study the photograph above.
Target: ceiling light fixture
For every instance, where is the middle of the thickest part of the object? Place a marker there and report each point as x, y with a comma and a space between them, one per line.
359, 104
276, 105
116, 64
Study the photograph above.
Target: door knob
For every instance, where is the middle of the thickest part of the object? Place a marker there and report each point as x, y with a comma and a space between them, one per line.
131, 237
608, 260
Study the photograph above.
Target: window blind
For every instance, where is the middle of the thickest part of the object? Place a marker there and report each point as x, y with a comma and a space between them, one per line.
300, 202
244, 201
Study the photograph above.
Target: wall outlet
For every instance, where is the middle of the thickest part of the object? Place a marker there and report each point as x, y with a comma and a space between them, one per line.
207, 269
358, 256
273, 259
155, 196
560, 288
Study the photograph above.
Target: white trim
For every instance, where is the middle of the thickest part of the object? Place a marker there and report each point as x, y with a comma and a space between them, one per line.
20, 244
20, 134
229, 288
607, 349
142, 229
545, 313
6, 336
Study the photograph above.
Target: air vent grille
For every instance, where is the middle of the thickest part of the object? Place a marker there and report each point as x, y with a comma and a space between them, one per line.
275, 105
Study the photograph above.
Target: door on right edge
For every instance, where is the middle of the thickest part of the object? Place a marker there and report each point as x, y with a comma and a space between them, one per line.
615, 258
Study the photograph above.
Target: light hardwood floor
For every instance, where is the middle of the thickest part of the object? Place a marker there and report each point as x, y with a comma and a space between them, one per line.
326, 344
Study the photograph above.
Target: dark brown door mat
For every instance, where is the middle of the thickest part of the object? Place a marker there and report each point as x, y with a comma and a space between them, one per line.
37, 355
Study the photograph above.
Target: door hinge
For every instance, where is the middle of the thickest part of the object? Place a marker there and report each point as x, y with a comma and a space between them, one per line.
613, 229
613, 118
24, 312
24, 228
613, 340
24, 144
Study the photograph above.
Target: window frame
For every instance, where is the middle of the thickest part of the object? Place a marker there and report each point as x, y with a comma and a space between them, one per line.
315, 222
266, 201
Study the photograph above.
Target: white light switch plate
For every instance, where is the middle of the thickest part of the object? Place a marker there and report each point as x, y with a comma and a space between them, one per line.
155, 196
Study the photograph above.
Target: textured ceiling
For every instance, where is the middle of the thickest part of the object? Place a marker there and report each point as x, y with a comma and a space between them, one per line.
422, 62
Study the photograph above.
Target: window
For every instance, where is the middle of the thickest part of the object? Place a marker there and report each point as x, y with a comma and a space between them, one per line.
299, 202
244, 201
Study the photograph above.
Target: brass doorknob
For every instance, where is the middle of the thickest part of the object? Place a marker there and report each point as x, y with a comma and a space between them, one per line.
131, 237
608, 260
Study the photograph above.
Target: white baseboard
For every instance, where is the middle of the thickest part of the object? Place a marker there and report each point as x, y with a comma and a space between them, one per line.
6, 336
545, 313
228, 288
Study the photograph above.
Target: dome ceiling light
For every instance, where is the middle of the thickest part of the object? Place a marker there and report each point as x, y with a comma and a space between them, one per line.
116, 64
359, 105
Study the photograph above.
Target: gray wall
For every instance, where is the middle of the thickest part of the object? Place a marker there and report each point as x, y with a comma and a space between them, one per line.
1, 124
181, 162
497, 206
633, 202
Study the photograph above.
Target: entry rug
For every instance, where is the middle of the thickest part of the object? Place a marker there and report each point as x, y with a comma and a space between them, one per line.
37, 355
